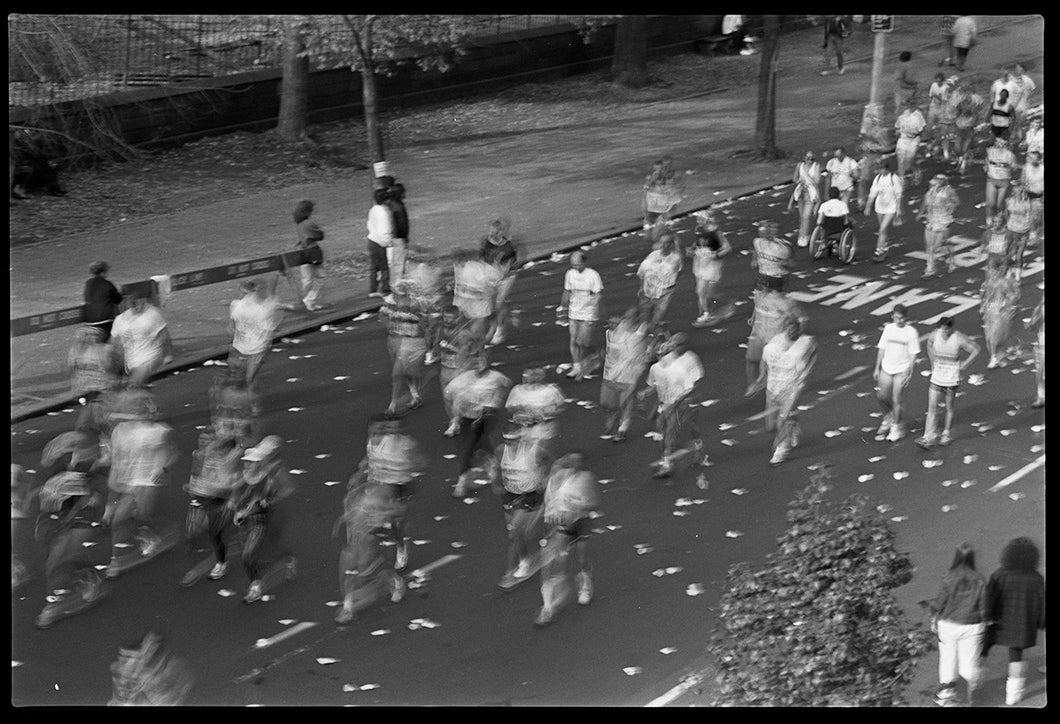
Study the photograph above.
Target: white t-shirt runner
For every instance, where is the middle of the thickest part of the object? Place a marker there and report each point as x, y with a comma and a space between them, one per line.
787, 361
584, 287
475, 287
658, 273
626, 353
887, 189
140, 336
900, 345
254, 322
674, 376
842, 172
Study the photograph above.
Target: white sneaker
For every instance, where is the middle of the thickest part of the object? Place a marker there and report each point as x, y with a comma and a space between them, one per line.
453, 430
842, 71
397, 589
779, 456
430, 358
401, 558
585, 589
218, 571
497, 338
523, 569
895, 434
804, 241
149, 548
885, 427
253, 593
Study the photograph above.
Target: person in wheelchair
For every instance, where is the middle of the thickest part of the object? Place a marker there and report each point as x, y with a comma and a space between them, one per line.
833, 218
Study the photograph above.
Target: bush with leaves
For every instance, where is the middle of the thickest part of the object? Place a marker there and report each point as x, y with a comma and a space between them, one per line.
817, 624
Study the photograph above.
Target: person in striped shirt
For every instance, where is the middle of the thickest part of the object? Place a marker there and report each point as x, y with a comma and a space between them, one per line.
406, 345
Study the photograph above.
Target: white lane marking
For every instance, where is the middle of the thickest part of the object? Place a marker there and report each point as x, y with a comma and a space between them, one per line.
675, 692
437, 564
1018, 474
851, 372
296, 629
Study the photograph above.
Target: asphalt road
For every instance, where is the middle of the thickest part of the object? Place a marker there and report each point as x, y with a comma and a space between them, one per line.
643, 630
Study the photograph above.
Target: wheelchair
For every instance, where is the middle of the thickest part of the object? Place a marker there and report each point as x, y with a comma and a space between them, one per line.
842, 243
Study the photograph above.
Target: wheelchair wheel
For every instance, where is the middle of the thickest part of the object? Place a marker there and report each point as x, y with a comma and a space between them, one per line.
818, 243
847, 246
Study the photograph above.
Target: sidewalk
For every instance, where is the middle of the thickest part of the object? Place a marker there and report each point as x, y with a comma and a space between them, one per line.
561, 188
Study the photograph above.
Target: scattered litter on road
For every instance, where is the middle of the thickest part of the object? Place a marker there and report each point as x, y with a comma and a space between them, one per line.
733, 534
948, 508
901, 475
324, 660
632, 670
865, 478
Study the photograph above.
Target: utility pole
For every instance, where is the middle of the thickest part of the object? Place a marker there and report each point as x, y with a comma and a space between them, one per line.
874, 134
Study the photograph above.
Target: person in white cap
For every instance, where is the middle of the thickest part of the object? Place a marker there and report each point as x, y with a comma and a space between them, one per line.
787, 362
675, 381
264, 483
572, 495
142, 452
936, 211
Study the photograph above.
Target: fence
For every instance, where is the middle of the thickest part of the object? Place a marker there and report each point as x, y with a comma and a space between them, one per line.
56, 58
213, 275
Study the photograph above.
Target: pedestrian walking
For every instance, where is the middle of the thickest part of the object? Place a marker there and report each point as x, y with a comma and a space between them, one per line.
477, 396
896, 357
658, 274
842, 173
771, 308
806, 195
910, 126
662, 193
572, 497
936, 211
836, 29
964, 32
580, 306
143, 450
707, 251
216, 467
459, 347
407, 347
102, 299
535, 406
771, 257
252, 321
397, 254
1038, 320
787, 361
524, 466
885, 198
498, 250
1019, 220
1015, 596
625, 358
906, 85
380, 238
959, 620
309, 236
1000, 295
254, 502
142, 338
475, 285
1000, 114
944, 349
674, 380
943, 127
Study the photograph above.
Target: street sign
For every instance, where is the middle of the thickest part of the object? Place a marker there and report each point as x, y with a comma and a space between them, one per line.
882, 23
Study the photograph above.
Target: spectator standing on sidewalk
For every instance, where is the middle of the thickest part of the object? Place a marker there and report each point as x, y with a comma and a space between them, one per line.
380, 238
102, 298
836, 28
398, 252
661, 192
959, 620
253, 320
964, 33
885, 198
1015, 596
807, 194
309, 234
905, 82
143, 338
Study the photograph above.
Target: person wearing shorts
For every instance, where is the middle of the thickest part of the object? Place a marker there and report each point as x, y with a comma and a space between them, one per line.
936, 211
967, 106
534, 405
1000, 294
896, 358
1000, 161
625, 357
1019, 219
143, 338
477, 396
910, 125
407, 346
1034, 181
945, 129
944, 351
770, 258
885, 198
498, 250
658, 274
582, 287
475, 291
675, 380
458, 348
771, 307
786, 363
1000, 115
253, 320
524, 466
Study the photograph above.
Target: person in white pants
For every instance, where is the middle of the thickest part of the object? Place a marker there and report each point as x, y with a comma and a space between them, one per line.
960, 622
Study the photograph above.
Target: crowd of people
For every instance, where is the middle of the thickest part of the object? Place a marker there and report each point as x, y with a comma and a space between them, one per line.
453, 311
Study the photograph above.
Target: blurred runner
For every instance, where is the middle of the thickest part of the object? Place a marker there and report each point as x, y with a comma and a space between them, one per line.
263, 484
625, 359
94, 369
580, 306
968, 105
807, 194
498, 250
477, 397
910, 125
885, 198
234, 407
216, 468
252, 321
22, 490
1038, 320
475, 290
459, 347
674, 379
1000, 295
142, 452
771, 307
658, 273
1034, 181
394, 459
944, 351
524, 465
1019, 220
572, 495
787, 361
662, 193
143, 339
406, 345
771, 257
147, 673
707, 252
896, 358
1000, 162
534, 405
936, 211
423, 274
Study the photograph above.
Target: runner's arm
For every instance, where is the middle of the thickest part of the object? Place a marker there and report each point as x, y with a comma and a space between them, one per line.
973, 350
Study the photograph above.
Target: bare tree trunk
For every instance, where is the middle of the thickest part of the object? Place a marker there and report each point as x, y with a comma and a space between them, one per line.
629, 64
294, 88
766, 121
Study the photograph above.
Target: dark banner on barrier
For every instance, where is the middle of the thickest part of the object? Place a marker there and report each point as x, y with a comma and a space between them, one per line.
74, 315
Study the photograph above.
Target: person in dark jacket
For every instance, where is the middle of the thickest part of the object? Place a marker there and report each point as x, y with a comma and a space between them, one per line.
960, 622
1015, 598
102, 299
395, 201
